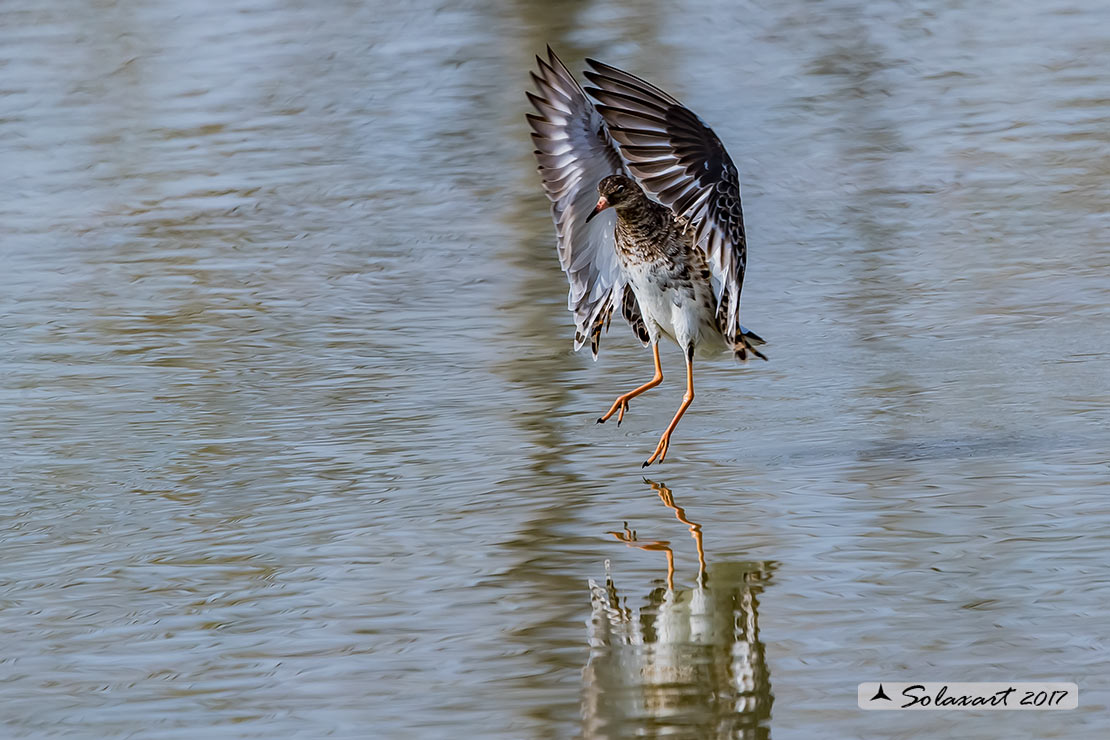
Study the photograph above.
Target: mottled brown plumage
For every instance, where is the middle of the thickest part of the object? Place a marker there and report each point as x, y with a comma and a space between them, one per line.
656, 250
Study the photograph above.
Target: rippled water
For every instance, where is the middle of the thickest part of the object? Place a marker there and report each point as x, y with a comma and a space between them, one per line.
296, 444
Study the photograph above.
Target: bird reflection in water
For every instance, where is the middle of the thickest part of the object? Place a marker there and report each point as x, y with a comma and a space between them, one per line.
689, 662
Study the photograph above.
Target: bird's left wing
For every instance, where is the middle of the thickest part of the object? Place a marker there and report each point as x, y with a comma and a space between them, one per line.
680, 162
575, 152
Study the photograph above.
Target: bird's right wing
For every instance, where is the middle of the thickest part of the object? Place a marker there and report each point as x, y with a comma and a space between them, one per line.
680, 162
575, 152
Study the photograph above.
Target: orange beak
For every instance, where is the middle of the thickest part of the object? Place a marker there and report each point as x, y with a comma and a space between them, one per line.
602, 204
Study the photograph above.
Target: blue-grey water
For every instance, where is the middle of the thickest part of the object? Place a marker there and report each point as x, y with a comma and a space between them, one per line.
295, 443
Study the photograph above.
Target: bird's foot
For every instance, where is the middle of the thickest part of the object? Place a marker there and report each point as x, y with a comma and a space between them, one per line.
621, 405
660, 450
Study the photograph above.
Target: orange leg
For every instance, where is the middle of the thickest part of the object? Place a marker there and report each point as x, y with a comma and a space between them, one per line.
621, 403
687, 399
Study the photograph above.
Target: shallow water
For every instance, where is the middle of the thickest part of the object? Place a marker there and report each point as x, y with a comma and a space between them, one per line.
297, 445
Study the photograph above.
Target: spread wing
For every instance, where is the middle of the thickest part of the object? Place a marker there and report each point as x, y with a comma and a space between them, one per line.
680, 162
575, 152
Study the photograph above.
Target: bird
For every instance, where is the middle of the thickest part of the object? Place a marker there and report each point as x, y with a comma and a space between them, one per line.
648, 219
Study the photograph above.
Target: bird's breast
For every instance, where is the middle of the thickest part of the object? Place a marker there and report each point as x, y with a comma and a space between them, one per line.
677, 298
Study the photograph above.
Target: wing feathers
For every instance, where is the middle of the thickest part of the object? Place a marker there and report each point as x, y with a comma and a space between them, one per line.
629, 117
575, 152
627, 81
627, 101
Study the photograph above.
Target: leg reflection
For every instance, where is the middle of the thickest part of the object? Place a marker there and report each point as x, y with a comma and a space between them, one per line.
688, 662
680, 514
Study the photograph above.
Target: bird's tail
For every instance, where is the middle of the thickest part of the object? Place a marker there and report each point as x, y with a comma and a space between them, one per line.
745, 343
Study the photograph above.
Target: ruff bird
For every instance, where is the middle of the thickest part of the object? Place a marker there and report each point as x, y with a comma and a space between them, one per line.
672, 258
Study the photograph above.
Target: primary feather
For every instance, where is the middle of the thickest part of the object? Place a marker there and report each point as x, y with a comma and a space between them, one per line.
575, 152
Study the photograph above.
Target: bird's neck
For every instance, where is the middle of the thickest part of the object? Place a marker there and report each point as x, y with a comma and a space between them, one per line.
641, 215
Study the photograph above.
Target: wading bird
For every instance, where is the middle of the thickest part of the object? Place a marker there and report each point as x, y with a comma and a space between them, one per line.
673, 258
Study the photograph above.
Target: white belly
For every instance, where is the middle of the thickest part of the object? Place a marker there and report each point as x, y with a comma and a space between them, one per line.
681, 311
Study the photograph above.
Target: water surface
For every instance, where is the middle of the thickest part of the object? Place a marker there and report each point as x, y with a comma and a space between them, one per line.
296, 444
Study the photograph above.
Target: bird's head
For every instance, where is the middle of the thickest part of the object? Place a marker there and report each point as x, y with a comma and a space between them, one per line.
615, 191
